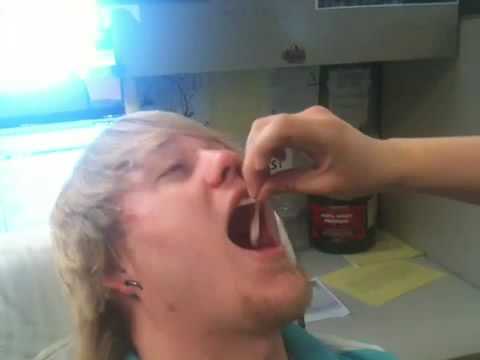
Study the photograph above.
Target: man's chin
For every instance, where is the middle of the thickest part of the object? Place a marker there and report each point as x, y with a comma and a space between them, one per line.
295, 303
285, 304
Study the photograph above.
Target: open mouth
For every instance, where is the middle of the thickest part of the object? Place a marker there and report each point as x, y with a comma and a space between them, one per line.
248, 232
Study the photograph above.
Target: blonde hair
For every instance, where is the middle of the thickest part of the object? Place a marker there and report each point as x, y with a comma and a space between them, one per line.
85, 224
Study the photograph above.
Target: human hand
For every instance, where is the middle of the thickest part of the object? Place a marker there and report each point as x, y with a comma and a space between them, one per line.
346, 163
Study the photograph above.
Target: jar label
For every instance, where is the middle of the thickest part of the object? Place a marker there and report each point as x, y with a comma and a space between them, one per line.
339, 222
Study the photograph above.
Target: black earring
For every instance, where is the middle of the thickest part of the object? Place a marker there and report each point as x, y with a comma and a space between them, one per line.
134, 284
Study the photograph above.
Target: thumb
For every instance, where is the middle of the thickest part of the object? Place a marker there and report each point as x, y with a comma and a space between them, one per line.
306, 181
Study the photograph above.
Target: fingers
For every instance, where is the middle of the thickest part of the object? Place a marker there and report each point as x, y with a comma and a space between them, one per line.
297, 180
285, 181
264, 142
255, 180
316, 111
270, 135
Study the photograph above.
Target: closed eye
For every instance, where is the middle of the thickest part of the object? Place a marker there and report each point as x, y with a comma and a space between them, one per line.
174, 169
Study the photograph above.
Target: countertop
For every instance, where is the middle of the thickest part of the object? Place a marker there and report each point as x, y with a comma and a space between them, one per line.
439, 321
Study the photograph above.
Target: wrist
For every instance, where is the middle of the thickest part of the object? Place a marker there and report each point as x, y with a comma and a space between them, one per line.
396, 161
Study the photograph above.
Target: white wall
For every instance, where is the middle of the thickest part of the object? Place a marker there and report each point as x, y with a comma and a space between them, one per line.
436, 99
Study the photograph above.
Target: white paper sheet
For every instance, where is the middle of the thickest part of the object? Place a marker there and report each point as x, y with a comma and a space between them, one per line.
325, 304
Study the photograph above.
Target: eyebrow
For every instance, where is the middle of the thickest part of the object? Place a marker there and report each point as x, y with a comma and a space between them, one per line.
167, 142
152, 160
171, 144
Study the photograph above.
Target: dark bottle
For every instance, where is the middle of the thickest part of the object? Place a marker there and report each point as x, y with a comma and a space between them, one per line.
342, 226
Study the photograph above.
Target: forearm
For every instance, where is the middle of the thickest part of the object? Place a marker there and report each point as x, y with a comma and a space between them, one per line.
447, 167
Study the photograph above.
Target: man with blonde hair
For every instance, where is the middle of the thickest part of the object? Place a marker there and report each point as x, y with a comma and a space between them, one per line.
154, 243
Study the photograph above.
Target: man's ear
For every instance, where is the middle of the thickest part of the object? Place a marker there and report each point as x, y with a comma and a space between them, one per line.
118, 279
114, 282
120, 285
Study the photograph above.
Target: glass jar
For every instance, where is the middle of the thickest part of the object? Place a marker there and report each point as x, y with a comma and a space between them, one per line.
342, 226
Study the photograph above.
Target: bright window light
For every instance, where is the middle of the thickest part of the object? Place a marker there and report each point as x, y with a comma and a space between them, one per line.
45, 42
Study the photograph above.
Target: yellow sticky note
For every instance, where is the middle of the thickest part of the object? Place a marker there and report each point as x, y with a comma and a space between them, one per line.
387, 249
380, 283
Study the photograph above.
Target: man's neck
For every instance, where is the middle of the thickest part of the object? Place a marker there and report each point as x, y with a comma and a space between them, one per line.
188, 342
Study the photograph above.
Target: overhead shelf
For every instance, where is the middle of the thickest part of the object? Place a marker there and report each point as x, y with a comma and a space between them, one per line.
167, 37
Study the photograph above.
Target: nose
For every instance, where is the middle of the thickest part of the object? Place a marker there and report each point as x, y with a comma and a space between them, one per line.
220, 166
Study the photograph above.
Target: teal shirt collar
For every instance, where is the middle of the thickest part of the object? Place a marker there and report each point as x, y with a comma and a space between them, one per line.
300, 345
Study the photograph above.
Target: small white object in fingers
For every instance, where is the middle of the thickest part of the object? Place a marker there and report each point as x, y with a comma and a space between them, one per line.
246, 201
255, 227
